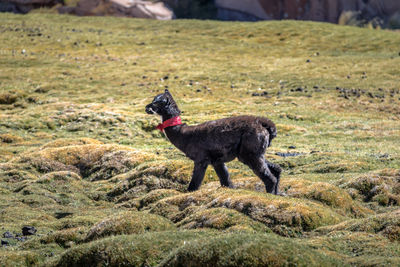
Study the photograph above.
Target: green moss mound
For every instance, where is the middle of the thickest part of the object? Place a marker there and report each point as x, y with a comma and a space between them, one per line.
276, 212
129, 223
62, 142
154, 175
8, 98
56, 188
65, 238
222, 219
18, 258
247, 250
357, 248
9, 138
387, 224
326, 193
128, 250
381, 187
92, 161
195, 248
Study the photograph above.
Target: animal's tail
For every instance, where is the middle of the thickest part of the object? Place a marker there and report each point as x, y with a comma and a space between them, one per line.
271, 128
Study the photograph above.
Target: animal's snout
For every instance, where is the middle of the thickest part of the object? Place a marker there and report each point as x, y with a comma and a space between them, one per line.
149, 109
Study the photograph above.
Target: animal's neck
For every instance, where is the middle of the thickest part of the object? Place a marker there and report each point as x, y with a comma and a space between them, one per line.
169, 123
168, 116
175, 135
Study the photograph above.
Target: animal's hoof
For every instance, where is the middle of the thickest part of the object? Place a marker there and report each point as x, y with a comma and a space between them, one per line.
282, 194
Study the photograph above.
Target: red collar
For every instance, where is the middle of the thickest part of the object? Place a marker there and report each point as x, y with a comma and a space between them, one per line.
168, 123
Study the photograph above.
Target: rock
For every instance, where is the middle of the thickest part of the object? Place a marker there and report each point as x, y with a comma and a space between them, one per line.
50, 254
382, 7
60, 215
8, 7
21, 239
28, 230
24, 6
295, 154
344, 11
8, 235
126, 8
325, 10
42, 90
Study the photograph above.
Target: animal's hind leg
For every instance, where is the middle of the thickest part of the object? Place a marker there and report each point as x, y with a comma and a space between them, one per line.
260, 167
198, 175
276, 171
223, 174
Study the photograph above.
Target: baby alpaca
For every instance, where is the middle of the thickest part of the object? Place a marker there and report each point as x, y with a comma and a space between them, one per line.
219, 141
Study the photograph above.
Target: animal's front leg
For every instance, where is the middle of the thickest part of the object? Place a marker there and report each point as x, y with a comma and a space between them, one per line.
198, 175
223, 174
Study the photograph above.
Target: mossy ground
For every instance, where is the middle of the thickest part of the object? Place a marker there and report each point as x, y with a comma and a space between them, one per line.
81, 161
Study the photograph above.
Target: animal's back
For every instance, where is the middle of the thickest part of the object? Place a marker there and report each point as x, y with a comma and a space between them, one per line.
237, 122
230, 130
247, 123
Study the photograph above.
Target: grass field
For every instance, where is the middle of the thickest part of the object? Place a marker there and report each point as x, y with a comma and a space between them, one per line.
82, 162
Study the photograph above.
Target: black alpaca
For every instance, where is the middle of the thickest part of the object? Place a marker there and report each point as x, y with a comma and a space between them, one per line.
219, 141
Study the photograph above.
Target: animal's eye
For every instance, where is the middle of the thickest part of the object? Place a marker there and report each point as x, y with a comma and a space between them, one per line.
160, 101
156, 100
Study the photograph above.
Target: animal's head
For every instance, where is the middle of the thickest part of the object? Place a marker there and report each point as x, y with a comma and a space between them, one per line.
163, 105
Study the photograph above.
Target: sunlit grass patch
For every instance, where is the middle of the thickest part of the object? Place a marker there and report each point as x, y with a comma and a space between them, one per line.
147, 249
248, 250
286, 216
77, 148
129, 223
381, 187
222, 219
357, 248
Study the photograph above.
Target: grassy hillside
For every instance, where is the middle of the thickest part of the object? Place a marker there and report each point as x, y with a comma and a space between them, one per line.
82, 162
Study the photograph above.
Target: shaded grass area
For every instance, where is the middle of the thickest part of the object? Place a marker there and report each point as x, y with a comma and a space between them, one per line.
83, 163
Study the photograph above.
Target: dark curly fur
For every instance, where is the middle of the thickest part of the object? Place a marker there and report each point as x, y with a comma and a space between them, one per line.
220, 141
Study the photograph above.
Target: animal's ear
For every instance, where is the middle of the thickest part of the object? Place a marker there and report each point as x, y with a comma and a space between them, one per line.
166, 91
